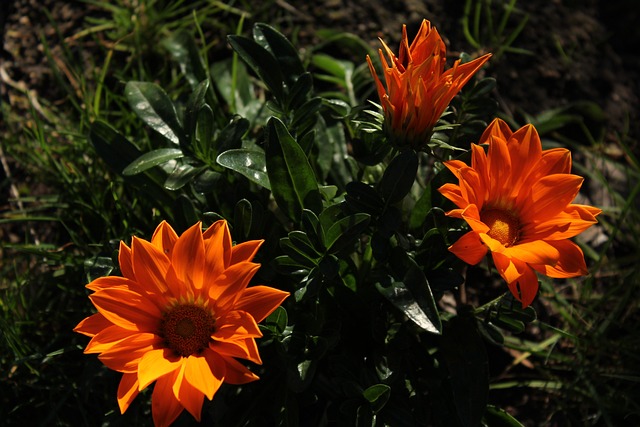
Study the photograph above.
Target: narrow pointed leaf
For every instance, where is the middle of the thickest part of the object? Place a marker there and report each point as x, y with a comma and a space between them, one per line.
151, 159
293, 181
261, 61
154, 106
399, 176
249, 163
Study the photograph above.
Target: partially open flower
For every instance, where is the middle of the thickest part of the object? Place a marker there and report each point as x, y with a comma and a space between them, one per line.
180, 316
517, 201
418, 89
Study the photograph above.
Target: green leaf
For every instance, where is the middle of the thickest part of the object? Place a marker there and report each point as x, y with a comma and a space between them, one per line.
300, 91
362, 197
151, 159
156, 109
181, 176
345, 231
231, 136
496, 417
420, 209
377, 395
399, 176
466, 360
242, 218
278, 319
281, 48
118, 152
292, 179
183, 49
261, 61
195, 103
249, 163
304, 255
402, 298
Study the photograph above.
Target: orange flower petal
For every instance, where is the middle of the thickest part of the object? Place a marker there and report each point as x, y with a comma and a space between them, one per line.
150, 265
245, 251
123, 356
549, 197
110, 282
155, 364
498, 128
570, 264
472, 216
452, 192
244, 349
535, 252
124, 259
198, 373
127, 391
574, 220
188, 396
525, 288
127, 309
106, 338
92, 325
511, 270
469, 248
236, 324
165, 407
260, 301
237, 373
188, 257
217, 241
164, 238
228, 286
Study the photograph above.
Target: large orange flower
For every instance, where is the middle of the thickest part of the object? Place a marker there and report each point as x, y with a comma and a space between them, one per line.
180, 316
517, 201
418, 90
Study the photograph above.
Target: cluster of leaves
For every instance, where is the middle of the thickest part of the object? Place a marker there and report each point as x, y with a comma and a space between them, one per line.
355, 230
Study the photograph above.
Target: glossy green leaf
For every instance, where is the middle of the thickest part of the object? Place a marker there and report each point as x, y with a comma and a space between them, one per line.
303, 243
118, 152
345, 231
292, 179
278, 319
417, 283
362, 197
231, 136
377, 395
249, 163
399, 176
181, 176
261, 61
151, 159
286, 55
156, 109
242, 218
195, 103
402, 298
304, 255
184, 51
300, 91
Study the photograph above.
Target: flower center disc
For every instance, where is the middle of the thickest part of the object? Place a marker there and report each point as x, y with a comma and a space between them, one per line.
503, 226
187, 329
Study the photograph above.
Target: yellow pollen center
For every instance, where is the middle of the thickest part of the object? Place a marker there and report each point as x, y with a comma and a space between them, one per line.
503, 225
187, 329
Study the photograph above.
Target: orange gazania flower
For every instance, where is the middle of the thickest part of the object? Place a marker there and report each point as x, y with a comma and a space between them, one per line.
180, 316
517, 201
418, 89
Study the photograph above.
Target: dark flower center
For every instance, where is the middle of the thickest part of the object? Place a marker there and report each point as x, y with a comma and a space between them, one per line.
187, 329
503, 225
